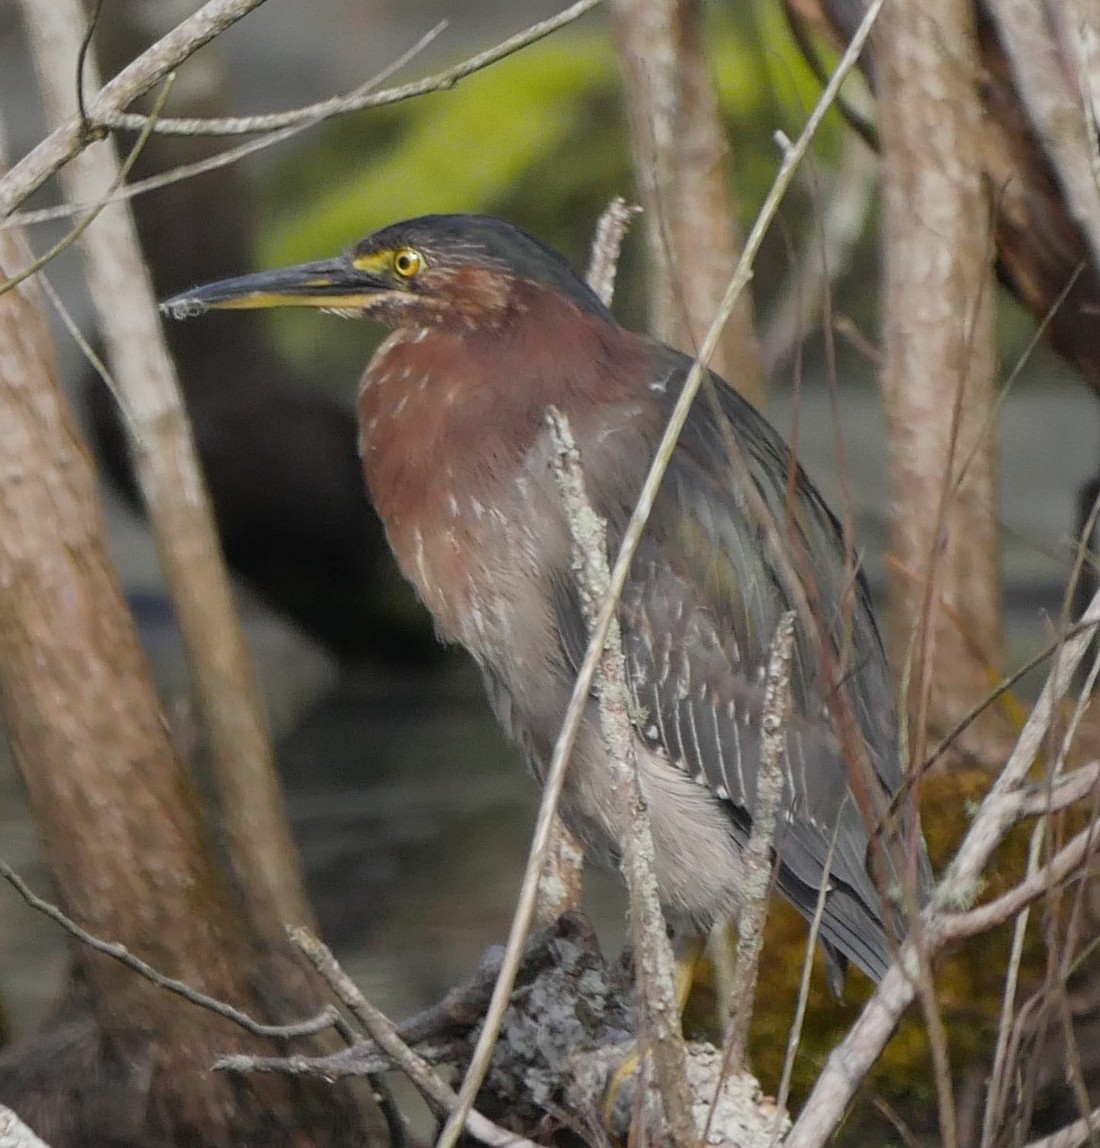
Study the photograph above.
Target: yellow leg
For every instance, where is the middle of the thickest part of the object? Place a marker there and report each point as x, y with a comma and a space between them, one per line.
690, 951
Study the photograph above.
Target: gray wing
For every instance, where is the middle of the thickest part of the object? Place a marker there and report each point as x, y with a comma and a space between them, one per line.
705, 594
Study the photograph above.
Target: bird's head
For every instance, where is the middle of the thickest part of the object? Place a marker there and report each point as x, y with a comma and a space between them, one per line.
454, 271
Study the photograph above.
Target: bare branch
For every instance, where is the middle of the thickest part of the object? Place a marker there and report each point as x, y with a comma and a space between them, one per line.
105, 111
356, 102
1059, 869
1040, 799
1054, 789
382, 1031
757, 858
611, 230
82, 225
212, 162
989, 826
653, 953
328, 1017
135, 80
562, 877
851, 1060
853, 1057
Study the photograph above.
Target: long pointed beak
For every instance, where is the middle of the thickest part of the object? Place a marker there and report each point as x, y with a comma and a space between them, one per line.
331, 283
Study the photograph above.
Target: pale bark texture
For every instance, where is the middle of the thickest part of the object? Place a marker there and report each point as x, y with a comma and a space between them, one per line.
939, 367
1052, 52
261, 848
682, 166
118, 815
114, 807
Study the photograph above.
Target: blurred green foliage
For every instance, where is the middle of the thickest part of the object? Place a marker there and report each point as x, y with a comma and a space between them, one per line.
539, 138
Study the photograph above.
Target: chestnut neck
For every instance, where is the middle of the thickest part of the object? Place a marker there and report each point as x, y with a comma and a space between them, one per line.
472, 400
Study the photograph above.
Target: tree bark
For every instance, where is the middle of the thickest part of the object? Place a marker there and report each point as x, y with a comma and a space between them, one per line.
939, 358
118, 814
263, 853
681, 161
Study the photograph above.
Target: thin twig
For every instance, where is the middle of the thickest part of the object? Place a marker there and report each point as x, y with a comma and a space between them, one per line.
1007, 682
362, 1059
382, 1031
562, 877
999, 1071
653, 953
987, 829
563, 747
1074, 1069
825, 256
343, 105
759, 852
152, 66
83, 344
82, 225
184, 40
82, 59
794, 1036
603, 263
438, 1032
223, 158
328, 1017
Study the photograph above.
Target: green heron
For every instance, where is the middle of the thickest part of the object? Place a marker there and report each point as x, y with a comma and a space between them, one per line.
490, 327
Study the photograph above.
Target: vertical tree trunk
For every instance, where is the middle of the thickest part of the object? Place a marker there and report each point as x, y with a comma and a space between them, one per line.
681, 161
263, 853
115, 808
118, 814
939, 371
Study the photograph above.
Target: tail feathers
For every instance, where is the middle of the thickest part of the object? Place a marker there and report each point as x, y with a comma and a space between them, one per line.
850, 930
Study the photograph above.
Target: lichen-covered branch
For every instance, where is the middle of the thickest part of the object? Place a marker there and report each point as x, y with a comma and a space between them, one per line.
758, 854
653, 953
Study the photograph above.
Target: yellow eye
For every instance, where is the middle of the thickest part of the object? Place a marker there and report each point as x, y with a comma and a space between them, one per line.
407, 262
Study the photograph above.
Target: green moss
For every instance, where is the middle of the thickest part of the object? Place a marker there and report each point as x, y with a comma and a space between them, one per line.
969, 984
457, 151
